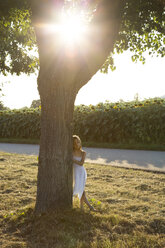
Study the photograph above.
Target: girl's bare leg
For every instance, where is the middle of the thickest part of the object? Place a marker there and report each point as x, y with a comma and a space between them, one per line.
81, 202
87, 202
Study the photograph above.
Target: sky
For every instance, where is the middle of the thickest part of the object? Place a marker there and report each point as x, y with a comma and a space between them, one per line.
124, 83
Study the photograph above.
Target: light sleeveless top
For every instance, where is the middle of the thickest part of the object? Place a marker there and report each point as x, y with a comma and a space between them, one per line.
79, 177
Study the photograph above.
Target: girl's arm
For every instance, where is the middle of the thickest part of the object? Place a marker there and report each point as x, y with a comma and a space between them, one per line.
81, 162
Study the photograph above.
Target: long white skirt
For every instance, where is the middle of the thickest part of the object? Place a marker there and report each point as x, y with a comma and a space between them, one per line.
79, 177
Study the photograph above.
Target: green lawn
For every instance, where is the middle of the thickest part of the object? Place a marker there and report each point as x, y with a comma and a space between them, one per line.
130, 209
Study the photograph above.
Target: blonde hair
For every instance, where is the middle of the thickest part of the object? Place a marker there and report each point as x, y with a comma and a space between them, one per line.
78, 138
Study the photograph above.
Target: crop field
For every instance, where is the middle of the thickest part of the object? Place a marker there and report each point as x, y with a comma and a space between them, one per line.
136, 122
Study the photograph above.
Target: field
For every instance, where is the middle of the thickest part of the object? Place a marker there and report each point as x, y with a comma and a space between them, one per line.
131, 125
130, 209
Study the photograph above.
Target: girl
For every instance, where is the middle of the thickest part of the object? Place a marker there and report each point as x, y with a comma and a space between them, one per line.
79, 172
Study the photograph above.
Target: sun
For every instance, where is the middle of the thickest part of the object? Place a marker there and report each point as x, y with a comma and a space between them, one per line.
71, 29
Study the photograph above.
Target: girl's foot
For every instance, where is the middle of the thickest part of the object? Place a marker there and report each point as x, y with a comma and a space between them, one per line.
92, 209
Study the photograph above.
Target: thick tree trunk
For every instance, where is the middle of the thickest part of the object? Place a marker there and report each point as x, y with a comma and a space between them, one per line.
55, 157
60, 78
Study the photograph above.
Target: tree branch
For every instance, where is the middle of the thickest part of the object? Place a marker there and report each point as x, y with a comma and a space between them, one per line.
104, 29
45, 10
88, 58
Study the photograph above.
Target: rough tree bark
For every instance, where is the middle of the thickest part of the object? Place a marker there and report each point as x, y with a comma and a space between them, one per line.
59, 81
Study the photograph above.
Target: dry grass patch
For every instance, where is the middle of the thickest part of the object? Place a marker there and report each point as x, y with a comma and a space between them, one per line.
130, 204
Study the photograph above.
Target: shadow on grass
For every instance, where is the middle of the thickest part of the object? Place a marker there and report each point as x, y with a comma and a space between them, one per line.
54, 229
76, 229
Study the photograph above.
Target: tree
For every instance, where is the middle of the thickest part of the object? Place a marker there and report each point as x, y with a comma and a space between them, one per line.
2, 107
115, 25
66, 75
35, 104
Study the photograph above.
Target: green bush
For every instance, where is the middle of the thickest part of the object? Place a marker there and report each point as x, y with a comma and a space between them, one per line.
121, 122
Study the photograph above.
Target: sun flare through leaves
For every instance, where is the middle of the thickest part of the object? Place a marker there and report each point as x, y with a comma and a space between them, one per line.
70, 28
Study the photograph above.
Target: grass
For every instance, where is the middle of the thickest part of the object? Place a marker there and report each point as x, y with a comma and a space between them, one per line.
132, 146
130, 209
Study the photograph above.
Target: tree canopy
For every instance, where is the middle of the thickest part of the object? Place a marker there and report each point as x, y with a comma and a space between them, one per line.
142, 29
17, 38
